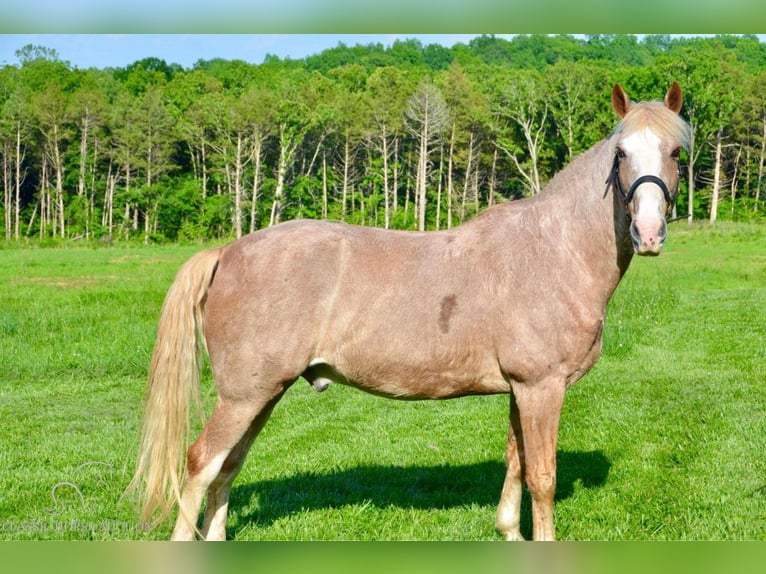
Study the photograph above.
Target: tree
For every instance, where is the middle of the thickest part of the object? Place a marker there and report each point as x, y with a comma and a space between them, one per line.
427, 118
292, 121
87, 110
142, 74
154, 151
387, 91
574, 92
759, 114
712, 80
193, 98
469, 113
353, 133
520, 106
258, 101
15, 130
124, 156
50, 109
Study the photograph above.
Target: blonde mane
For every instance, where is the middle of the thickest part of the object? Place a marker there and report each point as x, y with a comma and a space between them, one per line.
655, 115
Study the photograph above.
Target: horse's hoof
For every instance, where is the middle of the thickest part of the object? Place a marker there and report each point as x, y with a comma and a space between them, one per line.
514, 536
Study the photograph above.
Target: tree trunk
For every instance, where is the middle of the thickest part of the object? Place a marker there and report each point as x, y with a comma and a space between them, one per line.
7, 193
733, 189
395, 188
344, 193
287, 145
257, 159
324, 186
690, 176
92, 195
439, 187
468, 175
238, 187
83, 158
45, 197
107, 218
492, 180
17, 190
386, 190
203, 167
450, 175
716, 178
422, 176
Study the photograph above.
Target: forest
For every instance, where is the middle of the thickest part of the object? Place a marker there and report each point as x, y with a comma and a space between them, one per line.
407, 136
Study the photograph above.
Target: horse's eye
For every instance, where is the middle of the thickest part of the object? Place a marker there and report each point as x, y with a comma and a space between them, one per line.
676, 153
620, 153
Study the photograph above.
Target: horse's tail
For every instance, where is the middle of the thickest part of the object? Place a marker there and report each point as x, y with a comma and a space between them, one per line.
174, 378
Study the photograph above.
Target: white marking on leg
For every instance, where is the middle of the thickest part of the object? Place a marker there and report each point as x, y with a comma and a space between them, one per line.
218, 508
208, 474
508, 519
191, 499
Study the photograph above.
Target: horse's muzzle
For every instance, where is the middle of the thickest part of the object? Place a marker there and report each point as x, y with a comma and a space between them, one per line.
648, 235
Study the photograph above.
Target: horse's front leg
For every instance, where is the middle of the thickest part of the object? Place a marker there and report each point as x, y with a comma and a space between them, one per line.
539, 410
508, 521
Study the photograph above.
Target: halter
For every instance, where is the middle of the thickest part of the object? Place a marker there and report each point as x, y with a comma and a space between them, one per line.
614, 179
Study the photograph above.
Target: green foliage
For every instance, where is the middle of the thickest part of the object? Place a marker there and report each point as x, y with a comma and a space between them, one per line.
180, 208
125, 145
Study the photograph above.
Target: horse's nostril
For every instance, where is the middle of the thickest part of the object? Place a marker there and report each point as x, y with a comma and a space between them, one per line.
663, 232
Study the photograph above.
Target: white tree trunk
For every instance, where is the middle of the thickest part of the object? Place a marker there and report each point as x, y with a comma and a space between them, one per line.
716, 179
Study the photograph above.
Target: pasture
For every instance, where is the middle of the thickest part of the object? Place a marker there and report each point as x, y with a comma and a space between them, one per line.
665, 439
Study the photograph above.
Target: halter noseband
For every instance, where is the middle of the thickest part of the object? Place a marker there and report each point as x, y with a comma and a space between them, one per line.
614, 179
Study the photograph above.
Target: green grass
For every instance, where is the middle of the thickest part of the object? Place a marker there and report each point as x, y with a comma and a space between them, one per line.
665, 439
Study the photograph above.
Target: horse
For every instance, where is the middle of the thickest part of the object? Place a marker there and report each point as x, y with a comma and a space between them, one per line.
512, 301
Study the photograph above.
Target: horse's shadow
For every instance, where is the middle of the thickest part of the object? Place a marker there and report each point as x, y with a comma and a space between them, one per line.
420, 487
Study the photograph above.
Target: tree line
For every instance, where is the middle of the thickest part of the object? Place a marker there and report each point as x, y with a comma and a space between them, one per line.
408, 136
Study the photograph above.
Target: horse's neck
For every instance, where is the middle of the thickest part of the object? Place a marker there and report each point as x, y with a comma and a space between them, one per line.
597, 221
591, 224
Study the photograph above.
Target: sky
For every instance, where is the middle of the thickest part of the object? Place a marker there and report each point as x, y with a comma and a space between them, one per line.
118, 50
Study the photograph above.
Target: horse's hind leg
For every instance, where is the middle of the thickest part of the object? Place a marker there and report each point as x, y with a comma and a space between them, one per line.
214, 523
215, 457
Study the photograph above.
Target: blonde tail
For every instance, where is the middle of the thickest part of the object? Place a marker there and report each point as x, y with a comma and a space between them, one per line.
174, 378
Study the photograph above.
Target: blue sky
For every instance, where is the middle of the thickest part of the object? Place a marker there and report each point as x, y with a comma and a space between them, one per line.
118, 50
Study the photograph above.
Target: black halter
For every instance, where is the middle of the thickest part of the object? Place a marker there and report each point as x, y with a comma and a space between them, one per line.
614, 179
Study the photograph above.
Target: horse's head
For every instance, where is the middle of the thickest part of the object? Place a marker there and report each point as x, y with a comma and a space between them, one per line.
647, 145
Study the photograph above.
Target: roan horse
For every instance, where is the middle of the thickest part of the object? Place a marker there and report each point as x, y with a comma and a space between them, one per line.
512, 301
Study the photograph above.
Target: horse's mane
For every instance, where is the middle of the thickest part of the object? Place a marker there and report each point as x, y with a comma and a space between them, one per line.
655, 115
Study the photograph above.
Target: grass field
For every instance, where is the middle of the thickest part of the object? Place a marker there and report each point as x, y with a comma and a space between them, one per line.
665, 439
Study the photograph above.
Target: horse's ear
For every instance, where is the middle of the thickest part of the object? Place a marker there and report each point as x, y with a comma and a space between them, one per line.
674, 99
620, 101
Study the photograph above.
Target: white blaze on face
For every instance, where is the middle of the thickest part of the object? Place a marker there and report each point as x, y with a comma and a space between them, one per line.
642, 150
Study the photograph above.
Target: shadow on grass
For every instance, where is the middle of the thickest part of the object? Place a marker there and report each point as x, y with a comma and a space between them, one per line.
426, 487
